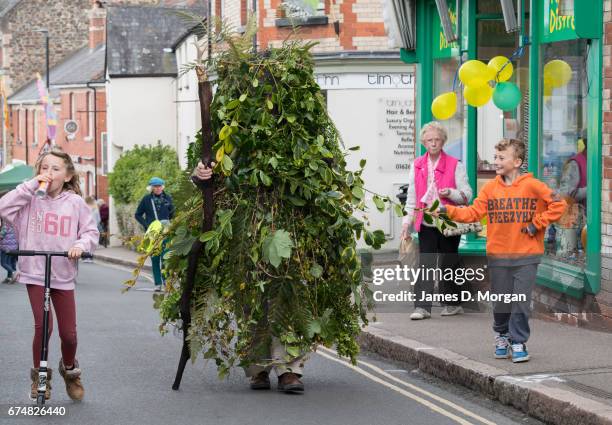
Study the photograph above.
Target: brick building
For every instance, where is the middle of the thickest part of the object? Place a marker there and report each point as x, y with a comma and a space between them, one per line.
79, 96
77, 50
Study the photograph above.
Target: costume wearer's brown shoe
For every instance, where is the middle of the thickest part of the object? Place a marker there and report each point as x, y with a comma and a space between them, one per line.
290, 383
72, 377
34, 389
261, 381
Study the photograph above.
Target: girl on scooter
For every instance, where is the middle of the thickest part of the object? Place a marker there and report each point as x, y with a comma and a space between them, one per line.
48, 213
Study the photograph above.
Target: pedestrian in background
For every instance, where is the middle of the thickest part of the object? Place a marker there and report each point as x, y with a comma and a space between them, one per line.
103, 209
8, 242
59, 221
157, 205
93, 206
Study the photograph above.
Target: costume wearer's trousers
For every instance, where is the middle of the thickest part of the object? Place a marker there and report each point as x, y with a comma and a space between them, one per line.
437, 250
513, 318
278, 354
268, 352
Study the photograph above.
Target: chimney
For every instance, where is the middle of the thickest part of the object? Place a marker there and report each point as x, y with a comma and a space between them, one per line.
97, 24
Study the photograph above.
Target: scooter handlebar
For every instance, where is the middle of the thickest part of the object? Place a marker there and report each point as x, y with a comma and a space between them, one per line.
29, 253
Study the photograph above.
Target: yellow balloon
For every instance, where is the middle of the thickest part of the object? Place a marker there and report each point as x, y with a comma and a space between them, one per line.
475, 73
547, 92
501, 63
558, 72
444, 106
477, 96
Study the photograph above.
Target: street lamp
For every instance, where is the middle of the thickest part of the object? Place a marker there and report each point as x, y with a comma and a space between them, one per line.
46, 34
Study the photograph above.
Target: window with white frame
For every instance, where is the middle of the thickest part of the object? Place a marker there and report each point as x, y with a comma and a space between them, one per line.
302, 8
35, 115
104, 140
72, 106
90, 116
22, 124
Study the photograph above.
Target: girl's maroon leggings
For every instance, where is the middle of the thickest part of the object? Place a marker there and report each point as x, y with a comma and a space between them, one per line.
65, 309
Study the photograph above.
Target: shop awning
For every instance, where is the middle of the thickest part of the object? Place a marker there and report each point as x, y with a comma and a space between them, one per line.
11, 177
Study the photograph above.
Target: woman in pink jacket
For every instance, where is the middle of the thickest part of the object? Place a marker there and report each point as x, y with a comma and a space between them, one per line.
58, 221
435, 176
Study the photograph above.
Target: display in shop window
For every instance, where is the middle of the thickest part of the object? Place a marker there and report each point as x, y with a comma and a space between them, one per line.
563, 144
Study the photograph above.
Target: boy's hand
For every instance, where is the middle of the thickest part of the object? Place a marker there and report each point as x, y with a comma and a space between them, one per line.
203, 172
75, 253
441, 210
530, 230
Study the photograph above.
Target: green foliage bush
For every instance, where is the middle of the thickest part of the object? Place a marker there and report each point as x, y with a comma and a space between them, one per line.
132, 171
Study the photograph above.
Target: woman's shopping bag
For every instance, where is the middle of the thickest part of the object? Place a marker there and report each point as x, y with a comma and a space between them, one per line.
408, 253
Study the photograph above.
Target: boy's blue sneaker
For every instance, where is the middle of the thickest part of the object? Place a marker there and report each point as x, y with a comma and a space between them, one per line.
502, 346
519, 353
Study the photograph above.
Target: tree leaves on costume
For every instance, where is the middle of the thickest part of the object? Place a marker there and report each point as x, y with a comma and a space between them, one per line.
277, 246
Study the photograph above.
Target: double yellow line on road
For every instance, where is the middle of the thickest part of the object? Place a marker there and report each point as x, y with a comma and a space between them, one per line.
333, 356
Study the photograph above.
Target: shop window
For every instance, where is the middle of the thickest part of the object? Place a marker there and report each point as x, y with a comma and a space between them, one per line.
492, 123
566, 7
444, 77
489, 7
563, 166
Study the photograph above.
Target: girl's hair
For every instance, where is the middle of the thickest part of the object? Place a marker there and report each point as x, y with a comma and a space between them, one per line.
73, 183
434, 125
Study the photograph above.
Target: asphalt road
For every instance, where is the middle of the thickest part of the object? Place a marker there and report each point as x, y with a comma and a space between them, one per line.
128, 369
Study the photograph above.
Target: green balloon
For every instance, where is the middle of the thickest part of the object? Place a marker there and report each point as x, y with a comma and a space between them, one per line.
506, 96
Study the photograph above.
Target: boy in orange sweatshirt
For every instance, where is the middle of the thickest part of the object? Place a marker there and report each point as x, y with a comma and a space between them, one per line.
518, 208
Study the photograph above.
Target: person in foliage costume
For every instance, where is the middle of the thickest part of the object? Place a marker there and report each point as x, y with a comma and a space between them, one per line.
289, 374
279, 272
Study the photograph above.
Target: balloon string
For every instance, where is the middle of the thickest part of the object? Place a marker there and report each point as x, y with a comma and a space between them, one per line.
457, 72
518, 53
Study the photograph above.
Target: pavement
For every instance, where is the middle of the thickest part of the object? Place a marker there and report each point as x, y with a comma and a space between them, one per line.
567, 381
128, 369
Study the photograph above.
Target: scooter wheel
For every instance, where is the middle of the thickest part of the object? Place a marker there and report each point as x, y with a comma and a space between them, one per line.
40, 400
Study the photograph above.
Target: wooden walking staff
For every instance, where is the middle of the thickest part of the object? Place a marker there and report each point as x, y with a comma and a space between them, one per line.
207, 188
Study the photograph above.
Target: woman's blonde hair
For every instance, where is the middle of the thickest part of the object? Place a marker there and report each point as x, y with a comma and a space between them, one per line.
73, 183
434, 125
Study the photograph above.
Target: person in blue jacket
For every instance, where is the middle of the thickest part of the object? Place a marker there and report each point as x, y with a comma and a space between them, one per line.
155, 206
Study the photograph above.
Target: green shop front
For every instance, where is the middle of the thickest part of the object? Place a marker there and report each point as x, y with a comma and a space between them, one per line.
555, 48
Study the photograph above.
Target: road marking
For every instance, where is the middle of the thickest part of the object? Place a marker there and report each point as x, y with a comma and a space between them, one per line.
397, 389
124, 268
537, 379
407, 384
